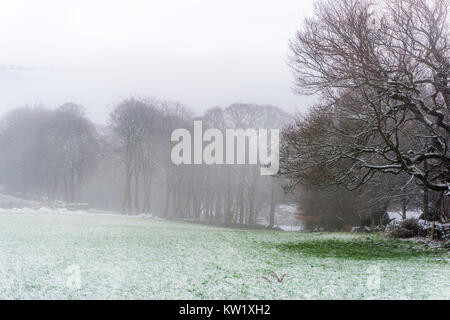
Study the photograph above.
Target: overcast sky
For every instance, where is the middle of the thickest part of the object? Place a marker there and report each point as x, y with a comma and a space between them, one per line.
203, 53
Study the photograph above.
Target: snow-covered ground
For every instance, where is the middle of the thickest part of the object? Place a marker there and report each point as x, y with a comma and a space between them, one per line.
284, 218
51, 255
291, 228
410, 214
13, 202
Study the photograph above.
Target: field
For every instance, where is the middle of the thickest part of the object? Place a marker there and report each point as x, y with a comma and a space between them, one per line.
82, 256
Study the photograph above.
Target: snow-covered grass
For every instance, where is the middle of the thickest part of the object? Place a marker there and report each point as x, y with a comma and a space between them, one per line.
79, 256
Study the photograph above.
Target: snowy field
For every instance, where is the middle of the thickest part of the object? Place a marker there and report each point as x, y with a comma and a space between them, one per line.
80, 256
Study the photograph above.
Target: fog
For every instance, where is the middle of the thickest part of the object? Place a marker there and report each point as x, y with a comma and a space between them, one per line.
95, 53
168, 149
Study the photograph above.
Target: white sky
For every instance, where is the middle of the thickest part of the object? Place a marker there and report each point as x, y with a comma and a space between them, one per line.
202, 53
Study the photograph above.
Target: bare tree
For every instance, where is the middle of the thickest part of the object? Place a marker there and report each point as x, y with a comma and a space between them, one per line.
47, 153
385, 95
128, 121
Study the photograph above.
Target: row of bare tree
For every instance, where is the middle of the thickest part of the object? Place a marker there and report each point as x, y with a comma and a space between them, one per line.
222, 193
47, 153
126, 166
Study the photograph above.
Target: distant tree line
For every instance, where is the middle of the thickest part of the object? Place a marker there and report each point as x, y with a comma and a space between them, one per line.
47, 153
58, 154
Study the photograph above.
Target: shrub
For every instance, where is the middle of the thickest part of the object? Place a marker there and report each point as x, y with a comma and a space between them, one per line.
410, 224
407, 229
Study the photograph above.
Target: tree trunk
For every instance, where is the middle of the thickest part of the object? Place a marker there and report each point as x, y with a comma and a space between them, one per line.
404, 207
432, 230
127, 195
136, 192
228, 214
273, 203
425, 196
251, 198
72, 185
241, 203
168, 193
147, 192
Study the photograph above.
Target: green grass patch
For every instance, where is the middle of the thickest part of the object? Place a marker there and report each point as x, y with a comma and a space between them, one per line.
370, 248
